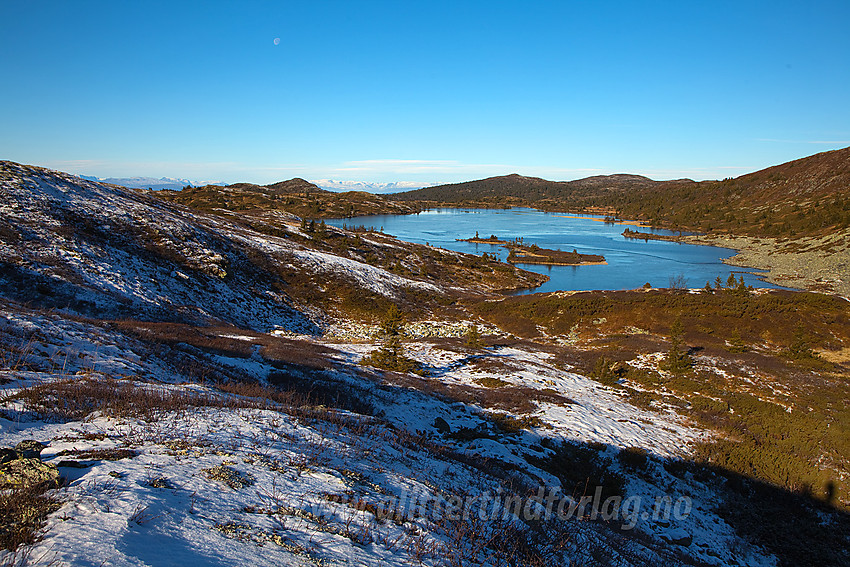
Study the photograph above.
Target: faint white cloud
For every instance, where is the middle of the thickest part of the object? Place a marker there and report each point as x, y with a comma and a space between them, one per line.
824, 142
402, 167
420, 171
695, 173
74, 164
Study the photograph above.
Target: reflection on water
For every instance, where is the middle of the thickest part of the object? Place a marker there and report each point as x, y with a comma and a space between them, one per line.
631, 262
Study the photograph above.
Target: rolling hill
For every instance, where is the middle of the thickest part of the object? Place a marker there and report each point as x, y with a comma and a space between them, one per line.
296, 196
808, 196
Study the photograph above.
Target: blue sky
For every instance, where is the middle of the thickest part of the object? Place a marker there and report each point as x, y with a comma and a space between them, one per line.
422, 91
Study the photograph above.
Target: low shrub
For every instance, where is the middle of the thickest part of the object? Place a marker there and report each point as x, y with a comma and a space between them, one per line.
582, 468
489, 382
74, 399
23, 513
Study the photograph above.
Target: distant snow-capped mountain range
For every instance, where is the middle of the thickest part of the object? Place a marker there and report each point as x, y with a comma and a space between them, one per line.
174, 183
394, 187
151, 182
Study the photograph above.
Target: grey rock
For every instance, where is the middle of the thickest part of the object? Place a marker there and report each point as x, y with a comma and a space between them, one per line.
30, 449
442, 425
7, 455
677, 536
28, 472
229, 476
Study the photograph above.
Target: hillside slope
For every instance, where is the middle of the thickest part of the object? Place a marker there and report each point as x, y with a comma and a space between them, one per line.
295, 196
528, 189
111, 252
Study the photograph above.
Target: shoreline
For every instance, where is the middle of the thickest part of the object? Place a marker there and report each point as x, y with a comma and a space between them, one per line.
635, 223
517, 262
809, 263
483, 241
819, 263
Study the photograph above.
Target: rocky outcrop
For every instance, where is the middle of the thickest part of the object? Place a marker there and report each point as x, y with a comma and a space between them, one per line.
22, 466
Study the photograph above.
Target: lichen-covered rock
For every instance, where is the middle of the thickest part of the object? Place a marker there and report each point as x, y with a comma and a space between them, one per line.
159, 482
7, 454
231, 477
29, 449
28, 472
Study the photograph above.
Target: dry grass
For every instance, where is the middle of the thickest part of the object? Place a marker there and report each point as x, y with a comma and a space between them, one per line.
835, 356
76, 398
23, 512
100, 454
489, 382
510, 398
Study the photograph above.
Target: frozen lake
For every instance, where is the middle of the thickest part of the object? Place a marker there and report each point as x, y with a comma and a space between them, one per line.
631, 263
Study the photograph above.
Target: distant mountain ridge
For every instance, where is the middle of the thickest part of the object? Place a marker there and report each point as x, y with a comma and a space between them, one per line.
157, 183
807, 196
392, 187
524, 187
297, 196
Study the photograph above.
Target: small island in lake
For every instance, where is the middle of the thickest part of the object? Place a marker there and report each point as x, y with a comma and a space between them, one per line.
629, 233
533, 254
493, 239
521, 254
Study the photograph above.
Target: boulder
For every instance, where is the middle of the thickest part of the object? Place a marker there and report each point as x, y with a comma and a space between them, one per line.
29, 449
442, 425
28, 472
677, 536
7, 455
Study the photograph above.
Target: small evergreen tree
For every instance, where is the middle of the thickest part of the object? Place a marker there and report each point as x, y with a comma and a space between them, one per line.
393, 322
473, 337
602, 372
678, 360
800, 349
391, 354
736, 343
731, 282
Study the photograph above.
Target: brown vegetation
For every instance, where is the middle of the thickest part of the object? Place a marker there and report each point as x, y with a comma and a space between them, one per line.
777, 402
296, 196
809, 196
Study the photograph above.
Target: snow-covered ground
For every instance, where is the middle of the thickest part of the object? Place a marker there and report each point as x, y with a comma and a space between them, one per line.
313, 489
260, 486
115, 251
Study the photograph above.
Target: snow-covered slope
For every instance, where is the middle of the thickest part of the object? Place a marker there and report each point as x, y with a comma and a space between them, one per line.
111, 252
327, 485
489, 459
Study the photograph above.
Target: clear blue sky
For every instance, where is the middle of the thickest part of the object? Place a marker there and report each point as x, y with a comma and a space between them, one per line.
422, 91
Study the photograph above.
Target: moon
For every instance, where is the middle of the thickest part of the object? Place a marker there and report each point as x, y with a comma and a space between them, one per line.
277, 41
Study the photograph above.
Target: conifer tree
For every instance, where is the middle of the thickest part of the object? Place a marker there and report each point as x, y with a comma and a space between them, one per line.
473, 337
678, 360
731, 282
391, 354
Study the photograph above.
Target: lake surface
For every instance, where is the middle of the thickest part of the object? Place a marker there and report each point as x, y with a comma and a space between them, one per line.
631, 263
